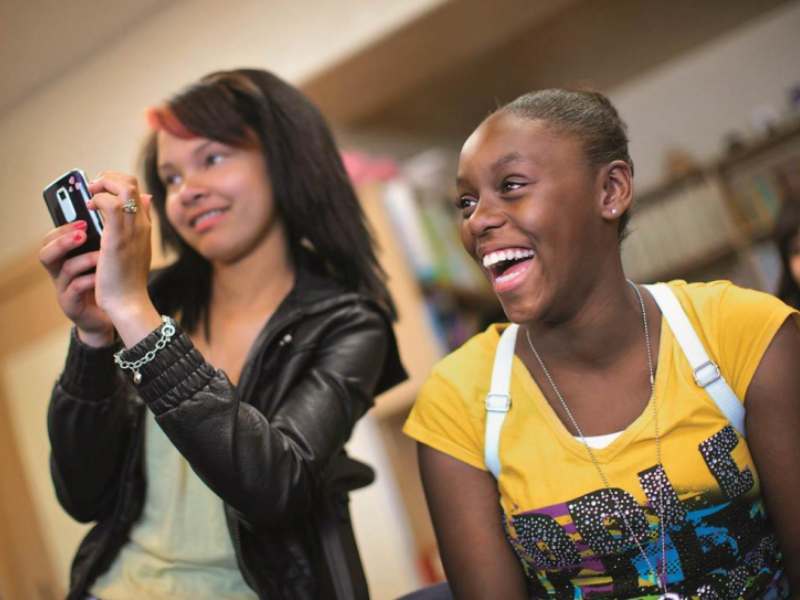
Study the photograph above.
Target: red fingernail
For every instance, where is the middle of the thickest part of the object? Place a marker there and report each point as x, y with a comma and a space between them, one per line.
79, 224
78, 236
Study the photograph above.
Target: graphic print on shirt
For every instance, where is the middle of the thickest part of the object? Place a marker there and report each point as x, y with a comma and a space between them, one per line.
582, 548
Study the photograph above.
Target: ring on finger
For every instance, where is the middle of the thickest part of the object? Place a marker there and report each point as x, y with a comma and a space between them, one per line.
130, 206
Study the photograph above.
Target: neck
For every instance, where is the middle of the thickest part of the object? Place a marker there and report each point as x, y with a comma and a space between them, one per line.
257, 282
602, 323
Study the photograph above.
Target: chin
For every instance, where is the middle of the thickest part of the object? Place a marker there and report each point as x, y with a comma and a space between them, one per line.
523, 308
515, 312
218, 255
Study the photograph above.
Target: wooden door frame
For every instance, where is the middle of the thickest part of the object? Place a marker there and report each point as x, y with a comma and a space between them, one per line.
28, 312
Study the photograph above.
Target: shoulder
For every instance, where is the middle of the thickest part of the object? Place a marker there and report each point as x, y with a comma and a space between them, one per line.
345, 310
449, 412
465, 373
736, 325
474, 358
723, 309
352, 325
722, 295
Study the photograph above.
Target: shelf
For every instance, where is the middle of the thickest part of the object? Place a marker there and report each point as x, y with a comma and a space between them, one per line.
705, 222
785, 133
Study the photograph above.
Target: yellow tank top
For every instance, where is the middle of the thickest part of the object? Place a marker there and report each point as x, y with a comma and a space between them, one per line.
556, 508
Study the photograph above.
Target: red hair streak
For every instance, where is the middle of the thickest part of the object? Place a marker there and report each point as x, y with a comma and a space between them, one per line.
161, 118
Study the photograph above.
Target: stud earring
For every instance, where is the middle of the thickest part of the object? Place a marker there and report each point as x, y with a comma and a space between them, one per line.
613, 211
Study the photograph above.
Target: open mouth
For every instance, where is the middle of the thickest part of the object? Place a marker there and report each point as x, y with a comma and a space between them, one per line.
507, 267
501, 262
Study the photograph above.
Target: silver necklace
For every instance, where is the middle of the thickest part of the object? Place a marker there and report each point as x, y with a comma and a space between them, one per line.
661, 576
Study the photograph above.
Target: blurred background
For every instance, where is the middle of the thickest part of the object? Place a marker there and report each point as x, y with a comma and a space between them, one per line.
710, 91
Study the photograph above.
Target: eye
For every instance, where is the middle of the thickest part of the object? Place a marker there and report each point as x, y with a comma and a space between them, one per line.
466, 204
170, 180
213, 158
510, 185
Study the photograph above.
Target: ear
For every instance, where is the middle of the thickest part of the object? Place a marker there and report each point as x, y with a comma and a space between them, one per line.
617, 190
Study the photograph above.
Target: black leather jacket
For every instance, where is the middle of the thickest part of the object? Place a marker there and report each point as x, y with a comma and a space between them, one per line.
268, 447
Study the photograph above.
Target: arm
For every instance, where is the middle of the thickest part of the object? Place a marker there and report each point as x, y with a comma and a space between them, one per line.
773, 423
465, 509
87, 420
269, 470
89, 423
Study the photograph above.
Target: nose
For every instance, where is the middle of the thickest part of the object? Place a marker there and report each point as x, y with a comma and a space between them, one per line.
191, 190
488, 214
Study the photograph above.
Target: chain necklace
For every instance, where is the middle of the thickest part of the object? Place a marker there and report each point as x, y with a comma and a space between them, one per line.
660, 576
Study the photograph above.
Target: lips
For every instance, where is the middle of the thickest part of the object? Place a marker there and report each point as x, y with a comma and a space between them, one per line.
507, 266
207, 218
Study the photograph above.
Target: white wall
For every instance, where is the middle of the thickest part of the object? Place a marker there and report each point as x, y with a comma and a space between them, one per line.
28, 412
92, 116
693, 101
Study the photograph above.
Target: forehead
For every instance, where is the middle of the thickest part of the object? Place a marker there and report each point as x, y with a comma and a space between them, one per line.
169, 145
505, 137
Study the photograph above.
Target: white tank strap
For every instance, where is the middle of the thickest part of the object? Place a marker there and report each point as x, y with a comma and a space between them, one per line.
706, 372
498, 400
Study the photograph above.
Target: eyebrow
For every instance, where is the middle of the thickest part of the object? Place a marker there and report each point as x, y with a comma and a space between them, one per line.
198, 150
506, 159
500, 162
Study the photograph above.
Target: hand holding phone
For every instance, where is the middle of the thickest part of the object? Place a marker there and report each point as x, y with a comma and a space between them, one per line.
66, 199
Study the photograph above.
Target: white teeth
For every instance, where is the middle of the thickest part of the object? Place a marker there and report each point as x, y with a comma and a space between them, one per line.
500, 255
206, 215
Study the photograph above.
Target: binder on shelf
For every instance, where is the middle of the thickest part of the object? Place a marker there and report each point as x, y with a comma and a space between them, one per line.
401, 208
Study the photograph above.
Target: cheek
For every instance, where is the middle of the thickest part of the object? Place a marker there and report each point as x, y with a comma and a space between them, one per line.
794, 266
171, 209
466, 236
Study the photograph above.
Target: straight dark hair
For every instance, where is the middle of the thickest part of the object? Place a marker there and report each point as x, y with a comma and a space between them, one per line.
325, 225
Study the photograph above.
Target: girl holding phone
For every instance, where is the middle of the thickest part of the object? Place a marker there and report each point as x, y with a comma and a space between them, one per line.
201, 417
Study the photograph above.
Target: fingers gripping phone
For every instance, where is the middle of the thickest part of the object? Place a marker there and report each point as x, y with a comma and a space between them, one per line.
66, 199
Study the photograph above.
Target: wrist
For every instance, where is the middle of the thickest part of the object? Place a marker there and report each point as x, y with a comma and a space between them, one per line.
139, 356
134, 321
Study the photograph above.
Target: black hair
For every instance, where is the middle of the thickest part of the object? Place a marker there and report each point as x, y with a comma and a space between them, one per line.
313, 193
586, 114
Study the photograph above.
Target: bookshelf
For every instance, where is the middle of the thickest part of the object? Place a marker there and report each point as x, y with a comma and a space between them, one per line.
715, 221
439, 305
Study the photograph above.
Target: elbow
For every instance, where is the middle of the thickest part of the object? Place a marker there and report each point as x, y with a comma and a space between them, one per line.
274, 512
77, 501
275, 499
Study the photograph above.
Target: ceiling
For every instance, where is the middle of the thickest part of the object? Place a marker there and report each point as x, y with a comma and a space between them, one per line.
431, 75
41, 39
413, 82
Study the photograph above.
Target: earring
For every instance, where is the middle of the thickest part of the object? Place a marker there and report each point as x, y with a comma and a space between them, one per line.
613, 211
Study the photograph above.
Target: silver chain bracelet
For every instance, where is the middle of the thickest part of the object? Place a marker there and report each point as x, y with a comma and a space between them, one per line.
167, 331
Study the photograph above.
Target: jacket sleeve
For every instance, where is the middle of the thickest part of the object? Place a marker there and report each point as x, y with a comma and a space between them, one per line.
267, 469
89, 423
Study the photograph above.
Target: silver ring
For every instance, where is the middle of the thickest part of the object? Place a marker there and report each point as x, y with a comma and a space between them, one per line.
130, 206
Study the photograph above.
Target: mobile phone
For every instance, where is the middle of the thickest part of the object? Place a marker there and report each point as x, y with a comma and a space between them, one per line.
66, 199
